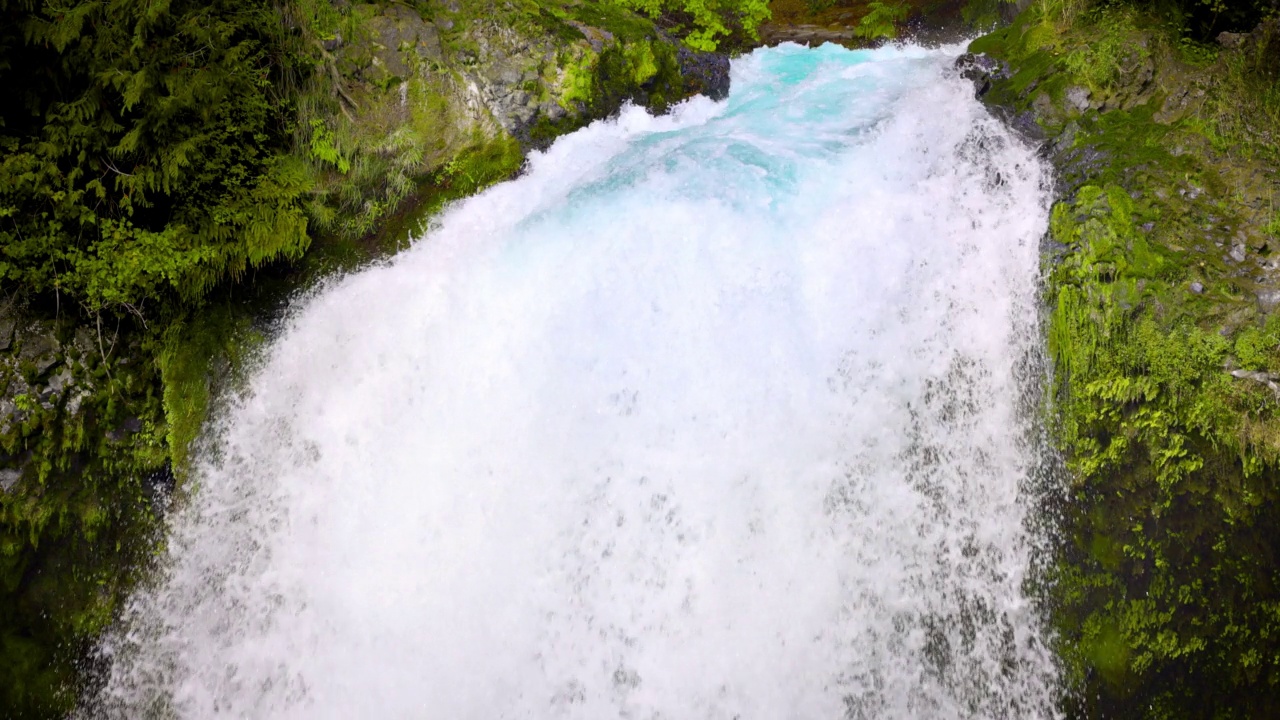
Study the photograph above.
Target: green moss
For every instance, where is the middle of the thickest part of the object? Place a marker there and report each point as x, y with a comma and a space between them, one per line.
1104, 645
642, 61
579, 79
195, 349
1164, 589
481, 165
78, 524
625, 25
350, 171
1098, 63
1179, 454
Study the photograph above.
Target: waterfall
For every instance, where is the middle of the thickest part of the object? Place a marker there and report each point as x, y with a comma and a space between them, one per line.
721, 414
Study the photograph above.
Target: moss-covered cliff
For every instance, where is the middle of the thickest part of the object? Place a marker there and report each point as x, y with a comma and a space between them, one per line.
1161, 292
172, 173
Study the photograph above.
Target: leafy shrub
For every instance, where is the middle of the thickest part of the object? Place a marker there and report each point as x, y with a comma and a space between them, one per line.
709, 20
144, 147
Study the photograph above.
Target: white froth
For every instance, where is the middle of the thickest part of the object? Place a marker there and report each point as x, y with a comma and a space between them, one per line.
713, 415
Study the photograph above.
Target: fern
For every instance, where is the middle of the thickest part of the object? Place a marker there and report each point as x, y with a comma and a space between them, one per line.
882, 20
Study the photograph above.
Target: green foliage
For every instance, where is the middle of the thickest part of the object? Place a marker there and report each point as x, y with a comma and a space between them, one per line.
1216, 15
707, 21
152, 154
1246, 111
195, 352
146, 157
75, 530
1201, 19
984, 13
484, 164
881, 20
1098, 63
323, 149
1164, 593
1167, 594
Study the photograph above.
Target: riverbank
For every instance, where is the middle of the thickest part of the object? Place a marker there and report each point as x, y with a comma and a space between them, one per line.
396, 110
1161, 292
867, 23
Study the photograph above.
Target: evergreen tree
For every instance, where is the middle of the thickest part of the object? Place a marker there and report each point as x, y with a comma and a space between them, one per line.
145, 147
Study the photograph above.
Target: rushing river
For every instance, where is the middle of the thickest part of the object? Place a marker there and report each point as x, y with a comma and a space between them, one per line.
723, 414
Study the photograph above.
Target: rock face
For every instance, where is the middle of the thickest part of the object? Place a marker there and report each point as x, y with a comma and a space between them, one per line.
1163, 287
80, 430
422, 89
1064, 117
704, 73
402, 41
58, 380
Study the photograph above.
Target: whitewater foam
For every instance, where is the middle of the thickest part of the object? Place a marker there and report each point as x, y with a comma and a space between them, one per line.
719, 414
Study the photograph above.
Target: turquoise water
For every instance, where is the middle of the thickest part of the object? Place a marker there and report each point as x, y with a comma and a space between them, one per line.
720, 414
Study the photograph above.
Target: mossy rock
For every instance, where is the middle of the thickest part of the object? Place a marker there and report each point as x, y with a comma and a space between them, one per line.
1164, 592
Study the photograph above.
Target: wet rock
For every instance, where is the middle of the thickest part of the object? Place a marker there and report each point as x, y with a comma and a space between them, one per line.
58, 383
1258, 376
981, 70
1025, 125
508, 76
76, 401
7, 325
11, 415
703, 72
1078, 98
401, 39
807, 34
9, 477
85, 343
1079, 164
1178, 103
39, 348
1230, 39
594, 35
1269, 300
127, 428
1264, 40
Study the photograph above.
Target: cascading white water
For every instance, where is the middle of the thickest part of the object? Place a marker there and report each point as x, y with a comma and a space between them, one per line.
713, 415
